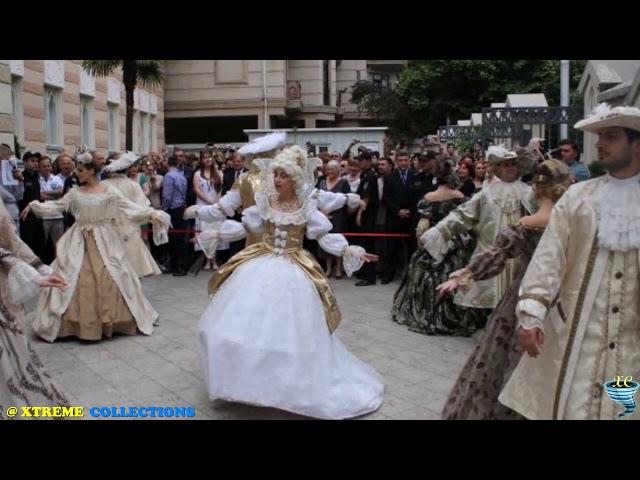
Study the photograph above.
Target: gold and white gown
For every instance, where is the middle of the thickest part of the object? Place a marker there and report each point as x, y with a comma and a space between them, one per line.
266, 336
92, 247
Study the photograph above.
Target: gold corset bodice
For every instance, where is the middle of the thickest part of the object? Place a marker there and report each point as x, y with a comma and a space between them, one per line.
283, 238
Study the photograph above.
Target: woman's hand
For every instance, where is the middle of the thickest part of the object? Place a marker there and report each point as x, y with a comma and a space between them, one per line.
52, 280
190, 212
447, 287
370, 257
530, 341
25, 212
156, 218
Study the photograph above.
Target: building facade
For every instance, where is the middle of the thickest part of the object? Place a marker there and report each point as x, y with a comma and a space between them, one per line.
57, 106
217, 100
7, 120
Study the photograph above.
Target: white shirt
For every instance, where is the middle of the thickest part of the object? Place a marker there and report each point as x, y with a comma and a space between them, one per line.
48, 186
62, 178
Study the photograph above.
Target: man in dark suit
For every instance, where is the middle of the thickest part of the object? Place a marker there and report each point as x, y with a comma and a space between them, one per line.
368, 191
399, 202
385, 266
31, 230
230, 175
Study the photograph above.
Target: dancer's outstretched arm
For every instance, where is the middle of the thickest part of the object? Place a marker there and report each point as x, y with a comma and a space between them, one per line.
228, 231
463, 219
318, 228
509, 244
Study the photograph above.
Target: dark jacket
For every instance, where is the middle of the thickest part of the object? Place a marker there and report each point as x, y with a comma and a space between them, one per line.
399, 195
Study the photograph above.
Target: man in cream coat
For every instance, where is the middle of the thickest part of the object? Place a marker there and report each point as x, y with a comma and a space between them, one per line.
578, 312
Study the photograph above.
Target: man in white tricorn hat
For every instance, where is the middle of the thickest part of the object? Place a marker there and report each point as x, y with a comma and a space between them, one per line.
578, 312
498, 205
242, 192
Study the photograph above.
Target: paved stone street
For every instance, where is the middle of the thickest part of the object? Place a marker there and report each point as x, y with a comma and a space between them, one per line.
163, 369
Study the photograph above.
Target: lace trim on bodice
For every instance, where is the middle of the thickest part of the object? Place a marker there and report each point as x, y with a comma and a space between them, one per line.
299, 217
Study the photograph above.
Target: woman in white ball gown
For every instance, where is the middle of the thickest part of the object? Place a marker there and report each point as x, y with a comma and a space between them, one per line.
266, 336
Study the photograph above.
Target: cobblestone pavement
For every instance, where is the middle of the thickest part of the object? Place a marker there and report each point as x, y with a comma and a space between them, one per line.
163, 369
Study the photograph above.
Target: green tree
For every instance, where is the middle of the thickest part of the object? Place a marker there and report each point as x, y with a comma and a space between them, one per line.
429, 91
148, 73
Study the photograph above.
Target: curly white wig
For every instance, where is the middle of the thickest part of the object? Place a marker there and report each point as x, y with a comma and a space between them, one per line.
289, 161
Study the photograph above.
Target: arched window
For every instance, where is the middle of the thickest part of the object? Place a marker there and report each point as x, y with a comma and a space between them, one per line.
86, 121
591, 100
51, 116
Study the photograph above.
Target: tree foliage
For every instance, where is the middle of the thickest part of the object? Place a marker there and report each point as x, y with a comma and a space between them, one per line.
430, 91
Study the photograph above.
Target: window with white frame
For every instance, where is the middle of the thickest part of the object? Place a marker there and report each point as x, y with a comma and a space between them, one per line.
53, 115
16, 94
113, 127
87, 129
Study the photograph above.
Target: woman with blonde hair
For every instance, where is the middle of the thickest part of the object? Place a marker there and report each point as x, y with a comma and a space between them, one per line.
266, 336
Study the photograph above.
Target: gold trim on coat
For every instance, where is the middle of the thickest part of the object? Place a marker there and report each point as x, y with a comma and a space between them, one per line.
574, 323
537, 298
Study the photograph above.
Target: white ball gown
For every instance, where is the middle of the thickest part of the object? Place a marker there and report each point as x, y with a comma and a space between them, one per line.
266, 336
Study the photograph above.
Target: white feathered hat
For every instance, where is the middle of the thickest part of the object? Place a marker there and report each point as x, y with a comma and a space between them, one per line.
498, 154
122, 163
604, 116
264, 144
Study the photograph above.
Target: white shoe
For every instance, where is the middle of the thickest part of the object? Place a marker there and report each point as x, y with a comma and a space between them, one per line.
207, 266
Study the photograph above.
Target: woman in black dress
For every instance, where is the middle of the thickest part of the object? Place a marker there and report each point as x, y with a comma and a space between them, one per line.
332, 182
415, 303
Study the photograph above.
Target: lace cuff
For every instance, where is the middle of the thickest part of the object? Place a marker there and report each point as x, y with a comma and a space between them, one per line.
531, 314
464, 276
229, 203
353, 259
353, 200
22, 284
161, 231
44, 270
435, 243
208, 242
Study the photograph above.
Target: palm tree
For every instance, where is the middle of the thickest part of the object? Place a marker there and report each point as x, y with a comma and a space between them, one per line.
148, 73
